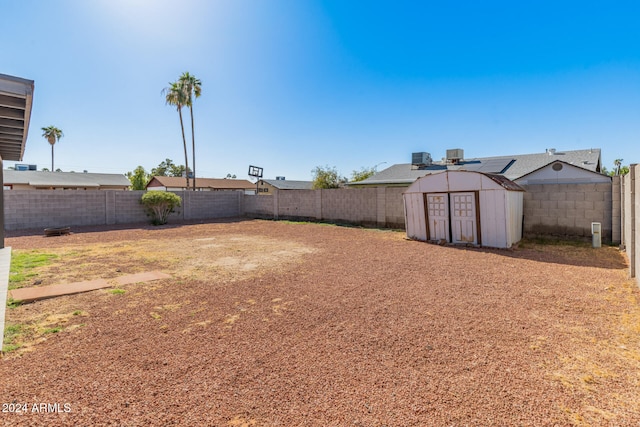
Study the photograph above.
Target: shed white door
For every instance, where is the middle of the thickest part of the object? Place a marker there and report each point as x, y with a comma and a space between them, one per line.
414, 216
463, 218
438, 216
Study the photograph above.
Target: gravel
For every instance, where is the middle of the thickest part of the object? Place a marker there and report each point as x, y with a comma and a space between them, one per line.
364, 329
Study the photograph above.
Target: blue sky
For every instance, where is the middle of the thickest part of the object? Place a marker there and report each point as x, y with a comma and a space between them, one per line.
289, 85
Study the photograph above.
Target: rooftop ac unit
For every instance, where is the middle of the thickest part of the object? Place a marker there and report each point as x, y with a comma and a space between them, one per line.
279, 178
24, 167
455, 154
421, 159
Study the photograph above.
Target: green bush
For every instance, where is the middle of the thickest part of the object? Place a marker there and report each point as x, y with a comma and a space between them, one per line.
159, 204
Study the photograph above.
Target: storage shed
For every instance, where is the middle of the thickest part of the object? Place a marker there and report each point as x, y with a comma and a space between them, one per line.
466, 208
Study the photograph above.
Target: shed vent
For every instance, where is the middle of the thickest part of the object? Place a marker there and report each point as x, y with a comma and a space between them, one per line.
421, 159
455, 155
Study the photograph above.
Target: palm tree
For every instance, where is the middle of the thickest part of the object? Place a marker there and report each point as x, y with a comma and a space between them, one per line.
192, 87
53, 135
175, 96
617, 163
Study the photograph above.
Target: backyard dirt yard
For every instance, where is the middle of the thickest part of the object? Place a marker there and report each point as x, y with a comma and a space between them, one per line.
293, 324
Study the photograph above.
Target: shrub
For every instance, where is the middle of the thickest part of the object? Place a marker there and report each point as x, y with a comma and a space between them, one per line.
159, 204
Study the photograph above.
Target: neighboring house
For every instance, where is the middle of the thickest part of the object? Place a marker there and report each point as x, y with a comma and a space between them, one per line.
43, 180
268, 186
175, 183
550, 167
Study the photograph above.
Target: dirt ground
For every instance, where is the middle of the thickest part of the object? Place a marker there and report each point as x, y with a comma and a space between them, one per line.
293, 324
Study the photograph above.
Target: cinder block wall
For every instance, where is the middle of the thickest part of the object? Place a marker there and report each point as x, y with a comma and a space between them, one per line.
380, 207
563, 209
127, 208
54, 208
297, 204
259, 206
26, 209
568, 209
630, 222
357, 206
208, 204
394, 207
616, 210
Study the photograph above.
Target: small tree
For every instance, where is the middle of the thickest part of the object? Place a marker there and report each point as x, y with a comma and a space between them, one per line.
362, 174
159, 204
139, 178
326, 177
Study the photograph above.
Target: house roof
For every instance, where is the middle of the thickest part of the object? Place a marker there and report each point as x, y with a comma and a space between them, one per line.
281, 184
213, 183
511, 167
16, 99
64, 179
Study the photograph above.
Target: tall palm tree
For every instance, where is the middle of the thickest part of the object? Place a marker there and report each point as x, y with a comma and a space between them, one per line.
175, 96
53, 135
192, 87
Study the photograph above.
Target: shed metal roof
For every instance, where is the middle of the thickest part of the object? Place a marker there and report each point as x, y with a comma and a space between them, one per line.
16, 99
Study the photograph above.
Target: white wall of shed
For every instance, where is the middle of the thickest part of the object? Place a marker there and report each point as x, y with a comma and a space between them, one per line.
494, 218
515, 210
415, 220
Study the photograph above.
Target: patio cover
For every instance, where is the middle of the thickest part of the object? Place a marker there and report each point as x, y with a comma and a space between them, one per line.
16, 99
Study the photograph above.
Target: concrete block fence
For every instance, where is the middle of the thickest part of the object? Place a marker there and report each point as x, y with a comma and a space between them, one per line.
27, 209
562, 210
376, 207
569, 210
630, 221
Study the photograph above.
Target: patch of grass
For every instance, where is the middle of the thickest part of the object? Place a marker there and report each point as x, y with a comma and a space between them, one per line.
553, 241
8, 348
52, 330
12, 303
116, 291
23, 265
12, 334
12, 330
77, 313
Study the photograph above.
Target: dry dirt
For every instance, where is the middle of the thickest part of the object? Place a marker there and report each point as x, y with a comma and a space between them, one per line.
284, 324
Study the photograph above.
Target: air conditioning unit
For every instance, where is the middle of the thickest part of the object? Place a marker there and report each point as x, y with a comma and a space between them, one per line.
279, 178
24, 167
454, 155
421, 159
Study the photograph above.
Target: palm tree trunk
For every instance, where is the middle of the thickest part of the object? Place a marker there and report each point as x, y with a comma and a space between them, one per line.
193, 149
52, 170
184, 142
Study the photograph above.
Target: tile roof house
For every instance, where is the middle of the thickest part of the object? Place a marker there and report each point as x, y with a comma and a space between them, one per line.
267, 186
175, 183
578, 166
43, 180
